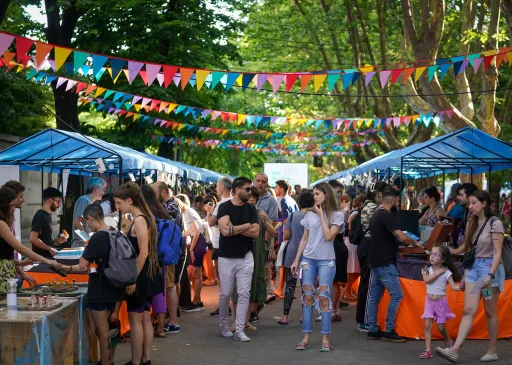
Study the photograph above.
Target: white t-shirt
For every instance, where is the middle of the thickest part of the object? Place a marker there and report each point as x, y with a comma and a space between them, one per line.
192, 216
438, 287
215, 230
318, 248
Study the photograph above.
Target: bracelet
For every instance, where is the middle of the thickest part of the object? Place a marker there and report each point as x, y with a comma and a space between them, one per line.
492, 275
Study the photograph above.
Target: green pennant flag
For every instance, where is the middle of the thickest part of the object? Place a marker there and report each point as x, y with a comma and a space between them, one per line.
331, 80
79, 59
432, 71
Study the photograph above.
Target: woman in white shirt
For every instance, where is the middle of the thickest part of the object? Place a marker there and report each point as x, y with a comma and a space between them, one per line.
198, 248
317, 259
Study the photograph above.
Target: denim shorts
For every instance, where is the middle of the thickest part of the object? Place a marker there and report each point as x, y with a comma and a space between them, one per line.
481, 269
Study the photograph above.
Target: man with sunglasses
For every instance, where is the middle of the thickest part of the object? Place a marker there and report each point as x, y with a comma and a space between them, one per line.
238, 225
41, 232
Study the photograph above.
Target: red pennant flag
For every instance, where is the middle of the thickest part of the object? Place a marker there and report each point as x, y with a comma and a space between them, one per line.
80, 87
224, 117
154, 104
169, 72
22, 47
185, 74
407, 73
168, 124
144, 76
395, 74
290, 80
488, 61
304, 81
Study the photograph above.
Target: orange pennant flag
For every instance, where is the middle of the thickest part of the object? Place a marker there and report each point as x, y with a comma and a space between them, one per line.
8, 57
42, 50
90, 89
407, 73
61, 55
185, 74
304, 81
318, 80
419, 72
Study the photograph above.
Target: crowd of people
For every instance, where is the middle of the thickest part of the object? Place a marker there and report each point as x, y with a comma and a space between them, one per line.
259, 241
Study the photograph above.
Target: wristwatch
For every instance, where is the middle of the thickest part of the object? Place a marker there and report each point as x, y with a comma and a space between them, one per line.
492, 275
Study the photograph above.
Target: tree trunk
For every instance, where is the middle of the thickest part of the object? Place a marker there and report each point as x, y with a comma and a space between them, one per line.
4, 4
506, 8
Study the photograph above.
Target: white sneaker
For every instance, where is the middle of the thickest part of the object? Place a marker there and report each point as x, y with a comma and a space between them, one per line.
226, 332
241, 337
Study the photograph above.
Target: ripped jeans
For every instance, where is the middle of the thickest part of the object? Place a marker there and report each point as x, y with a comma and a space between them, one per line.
325, 270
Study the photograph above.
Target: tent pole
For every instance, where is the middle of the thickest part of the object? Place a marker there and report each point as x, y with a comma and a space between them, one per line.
42, 183
444, 189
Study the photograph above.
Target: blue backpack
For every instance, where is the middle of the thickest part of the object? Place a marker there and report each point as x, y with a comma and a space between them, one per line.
169, 242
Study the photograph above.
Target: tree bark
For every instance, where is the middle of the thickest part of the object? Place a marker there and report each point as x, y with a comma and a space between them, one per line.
425, 46
4, 4
60, 32
506, 8
490, 77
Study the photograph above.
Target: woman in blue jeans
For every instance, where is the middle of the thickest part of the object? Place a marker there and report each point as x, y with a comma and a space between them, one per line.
317, 259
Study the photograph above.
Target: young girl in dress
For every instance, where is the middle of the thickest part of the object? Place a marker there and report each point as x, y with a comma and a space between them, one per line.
441, 271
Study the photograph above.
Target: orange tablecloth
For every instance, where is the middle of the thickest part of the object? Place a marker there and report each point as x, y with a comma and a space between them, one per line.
410, 324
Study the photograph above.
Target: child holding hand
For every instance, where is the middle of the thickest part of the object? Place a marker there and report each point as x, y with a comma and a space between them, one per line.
441, 271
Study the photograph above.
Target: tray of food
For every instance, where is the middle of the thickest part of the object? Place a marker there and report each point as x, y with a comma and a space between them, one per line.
60, 288
39, 303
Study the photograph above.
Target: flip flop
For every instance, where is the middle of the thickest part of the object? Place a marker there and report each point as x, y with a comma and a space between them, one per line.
326, 347
301, 346
282, 323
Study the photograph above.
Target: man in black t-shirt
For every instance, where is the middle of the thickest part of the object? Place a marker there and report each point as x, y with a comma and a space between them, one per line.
238, 224
385, 235
41, 232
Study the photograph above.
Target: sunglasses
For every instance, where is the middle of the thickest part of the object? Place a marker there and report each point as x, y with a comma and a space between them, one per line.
247, 189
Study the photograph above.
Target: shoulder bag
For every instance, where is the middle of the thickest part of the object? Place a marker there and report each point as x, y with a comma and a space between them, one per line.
469, 256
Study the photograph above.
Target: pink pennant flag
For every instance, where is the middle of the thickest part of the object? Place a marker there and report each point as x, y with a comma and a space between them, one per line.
449, 113
205, 113
136, 99
160, 78
384, 75
407, 120
368, 77
262, 78
215, 114
176, 79
396, 121
60, 81
5, 42
71, 83
152, 72
133, 70
52, 64
276, 80
145, 102
477, 62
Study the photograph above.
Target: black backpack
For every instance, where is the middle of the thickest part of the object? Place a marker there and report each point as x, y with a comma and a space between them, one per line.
356, 234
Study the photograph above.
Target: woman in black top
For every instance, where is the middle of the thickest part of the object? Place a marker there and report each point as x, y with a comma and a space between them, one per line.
103, 300
9, 243
143, 236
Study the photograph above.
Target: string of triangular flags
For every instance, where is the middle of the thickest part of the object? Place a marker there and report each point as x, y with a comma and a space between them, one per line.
128, 101
273, 144
89, 63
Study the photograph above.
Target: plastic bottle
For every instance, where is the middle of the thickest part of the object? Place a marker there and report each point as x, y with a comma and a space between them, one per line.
487, 293
12, 300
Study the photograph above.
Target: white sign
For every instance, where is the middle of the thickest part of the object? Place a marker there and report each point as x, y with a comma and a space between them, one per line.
294, 173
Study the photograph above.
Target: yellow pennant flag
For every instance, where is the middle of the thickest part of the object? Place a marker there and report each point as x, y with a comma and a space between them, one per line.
509, 57
360, 123
414, 117
201, 76
99, 91
268, 135
368, 122
61, 55
137, 107
240, 118
239, 80
366, 69
318, 81
20, 67
225, 131
293, 121
489, 53
181, 126
419, 71
135, 116
302, 121
171, 107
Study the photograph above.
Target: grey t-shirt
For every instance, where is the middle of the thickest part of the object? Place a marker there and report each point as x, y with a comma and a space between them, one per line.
318, 248
80, 205
268, 204
293, 224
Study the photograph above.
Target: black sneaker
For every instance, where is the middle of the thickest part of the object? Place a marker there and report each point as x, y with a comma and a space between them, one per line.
379, 335
200, 305
254, 318
393, 337
216, 313
344, 305
191, 308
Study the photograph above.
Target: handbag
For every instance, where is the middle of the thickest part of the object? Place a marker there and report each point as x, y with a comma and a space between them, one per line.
282, 249
469, 256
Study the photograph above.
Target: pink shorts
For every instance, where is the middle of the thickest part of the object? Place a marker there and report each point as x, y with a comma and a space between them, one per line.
438, 310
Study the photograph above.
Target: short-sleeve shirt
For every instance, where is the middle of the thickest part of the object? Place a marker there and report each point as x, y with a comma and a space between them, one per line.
485, 247
438, 286
98, 289
236, 246
383, 244
318, 248
288, 206
42, 225
297, 231
268, 204
367, 211
215, 230
192, 216
83, 202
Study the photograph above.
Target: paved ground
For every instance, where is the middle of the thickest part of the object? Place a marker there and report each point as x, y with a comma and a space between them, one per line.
200, 342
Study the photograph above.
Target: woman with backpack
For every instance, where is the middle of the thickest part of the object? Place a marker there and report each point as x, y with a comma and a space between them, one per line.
103, 299
159, 304
143, 236
198, 247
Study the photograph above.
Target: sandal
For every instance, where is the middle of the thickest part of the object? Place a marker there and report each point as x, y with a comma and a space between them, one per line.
426, 355
302, 346
326, 347
250, 327
283, 323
